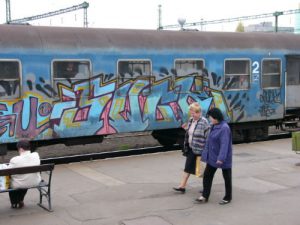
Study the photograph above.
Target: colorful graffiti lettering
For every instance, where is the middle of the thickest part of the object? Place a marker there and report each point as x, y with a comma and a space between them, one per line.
98, 106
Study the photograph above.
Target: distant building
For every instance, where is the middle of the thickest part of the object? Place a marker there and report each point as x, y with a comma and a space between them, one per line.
267, 27
297, 22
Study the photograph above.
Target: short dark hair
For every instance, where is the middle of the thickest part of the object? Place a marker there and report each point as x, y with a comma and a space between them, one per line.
216, 114
24, 144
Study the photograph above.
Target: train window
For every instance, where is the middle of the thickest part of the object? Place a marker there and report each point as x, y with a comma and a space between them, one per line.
186, 67
70, 71
130, 70
271, 70
293, 71
193, 68
237, 74
9, 79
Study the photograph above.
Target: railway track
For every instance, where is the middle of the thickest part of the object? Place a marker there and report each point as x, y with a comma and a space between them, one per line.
130, 152
111, 154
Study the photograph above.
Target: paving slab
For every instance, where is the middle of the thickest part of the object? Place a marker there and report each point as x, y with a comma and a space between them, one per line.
149, 220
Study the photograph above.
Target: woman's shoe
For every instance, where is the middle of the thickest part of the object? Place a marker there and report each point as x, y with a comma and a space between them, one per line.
201, 200
180, 189
224, 202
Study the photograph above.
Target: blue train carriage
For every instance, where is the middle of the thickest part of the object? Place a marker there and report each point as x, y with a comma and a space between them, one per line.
76, 85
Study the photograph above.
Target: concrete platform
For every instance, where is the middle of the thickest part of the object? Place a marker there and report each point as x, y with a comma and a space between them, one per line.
138, 191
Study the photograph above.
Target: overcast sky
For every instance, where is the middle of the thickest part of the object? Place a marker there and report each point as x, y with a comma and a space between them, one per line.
143, 14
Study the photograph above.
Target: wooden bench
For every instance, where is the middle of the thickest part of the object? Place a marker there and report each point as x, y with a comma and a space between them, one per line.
44, 186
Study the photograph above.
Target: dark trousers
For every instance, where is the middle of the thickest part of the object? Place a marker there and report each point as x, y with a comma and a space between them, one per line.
208, 177
17, 196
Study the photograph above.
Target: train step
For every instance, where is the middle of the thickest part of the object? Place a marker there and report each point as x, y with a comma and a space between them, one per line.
290, 124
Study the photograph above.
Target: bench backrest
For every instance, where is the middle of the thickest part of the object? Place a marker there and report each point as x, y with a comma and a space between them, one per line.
27, 169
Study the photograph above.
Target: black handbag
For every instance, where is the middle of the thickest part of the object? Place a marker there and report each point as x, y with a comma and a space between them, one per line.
185, 150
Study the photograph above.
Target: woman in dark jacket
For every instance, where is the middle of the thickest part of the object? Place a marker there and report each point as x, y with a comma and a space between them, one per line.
195, 137
217, 154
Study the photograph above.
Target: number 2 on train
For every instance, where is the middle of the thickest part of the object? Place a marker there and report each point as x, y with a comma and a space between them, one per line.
255, 71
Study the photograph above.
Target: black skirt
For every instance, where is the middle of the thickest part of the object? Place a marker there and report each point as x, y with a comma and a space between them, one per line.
192, 163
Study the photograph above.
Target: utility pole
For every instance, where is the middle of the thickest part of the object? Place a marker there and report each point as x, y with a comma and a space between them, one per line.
8, 16
159, 18
201, 24
276, 14
85, 5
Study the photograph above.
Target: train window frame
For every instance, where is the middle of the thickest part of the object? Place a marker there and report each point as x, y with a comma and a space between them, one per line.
191, 75
20, 75
249, 74
271, 74
292, 78
54, 80
188, 59
121, 80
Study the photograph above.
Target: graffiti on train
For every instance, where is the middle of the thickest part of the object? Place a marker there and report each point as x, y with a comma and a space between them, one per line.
95, 107
268, 98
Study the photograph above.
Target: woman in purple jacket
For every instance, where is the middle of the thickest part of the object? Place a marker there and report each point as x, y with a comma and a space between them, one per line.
217, 154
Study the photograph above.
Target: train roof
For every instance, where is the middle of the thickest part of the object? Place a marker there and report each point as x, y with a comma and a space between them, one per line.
39, 37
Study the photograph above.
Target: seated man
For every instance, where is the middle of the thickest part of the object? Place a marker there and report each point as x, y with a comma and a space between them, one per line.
23, 181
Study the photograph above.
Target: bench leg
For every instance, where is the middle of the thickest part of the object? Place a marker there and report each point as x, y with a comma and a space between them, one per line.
45, 193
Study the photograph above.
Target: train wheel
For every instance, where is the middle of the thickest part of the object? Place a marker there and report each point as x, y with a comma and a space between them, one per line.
167, 137
258, 134
238, 136
165, 142
262, 133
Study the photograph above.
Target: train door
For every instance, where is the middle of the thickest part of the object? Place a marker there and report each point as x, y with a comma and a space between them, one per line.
293, 82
